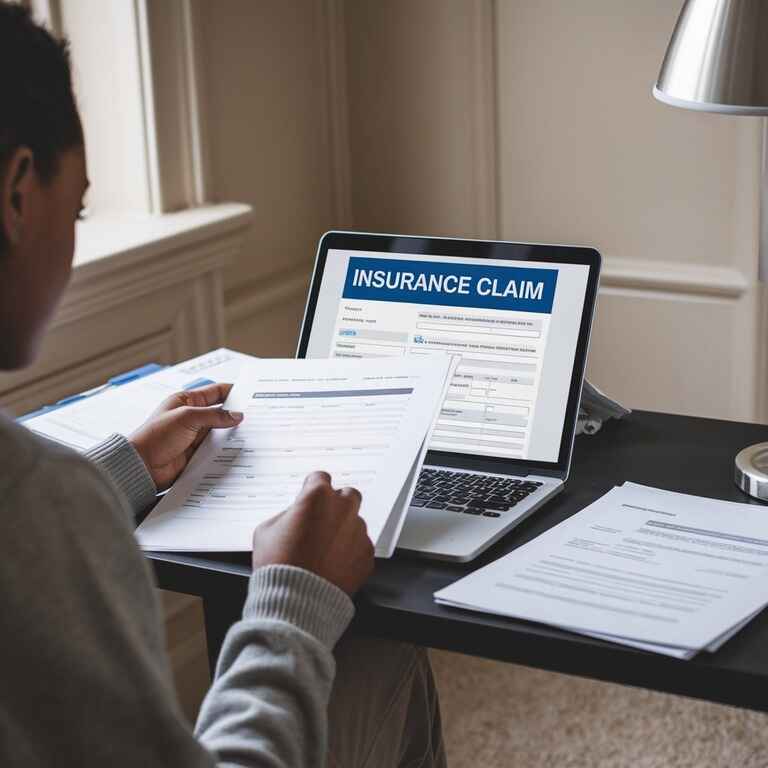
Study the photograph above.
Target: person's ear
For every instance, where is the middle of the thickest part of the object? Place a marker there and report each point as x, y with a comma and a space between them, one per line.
16, 187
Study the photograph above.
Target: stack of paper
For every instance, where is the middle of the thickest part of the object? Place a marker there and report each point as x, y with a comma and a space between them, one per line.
95, 415
656, 570
367, 425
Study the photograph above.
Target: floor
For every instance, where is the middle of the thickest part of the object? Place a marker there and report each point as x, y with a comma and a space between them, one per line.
506, 716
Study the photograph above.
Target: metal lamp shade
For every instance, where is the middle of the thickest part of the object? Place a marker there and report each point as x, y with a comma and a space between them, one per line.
717, 59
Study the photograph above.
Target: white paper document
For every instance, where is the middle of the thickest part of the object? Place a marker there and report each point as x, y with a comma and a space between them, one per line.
122, 409
365, 424
657, 570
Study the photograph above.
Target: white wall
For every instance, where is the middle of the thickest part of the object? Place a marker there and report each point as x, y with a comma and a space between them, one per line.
578, 152
523, 119
419, 84
587, 155
269, 93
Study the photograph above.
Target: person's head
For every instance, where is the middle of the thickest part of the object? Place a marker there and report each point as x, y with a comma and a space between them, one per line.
42, 180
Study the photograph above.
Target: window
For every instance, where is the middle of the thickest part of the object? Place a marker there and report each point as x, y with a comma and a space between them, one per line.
136, 73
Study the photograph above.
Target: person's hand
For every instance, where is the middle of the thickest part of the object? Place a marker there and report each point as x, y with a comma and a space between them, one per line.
321, 532
167, 440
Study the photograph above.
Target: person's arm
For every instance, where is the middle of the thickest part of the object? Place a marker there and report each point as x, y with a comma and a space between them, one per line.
268, 702
121, 461
156, 453
84, 669
88, 614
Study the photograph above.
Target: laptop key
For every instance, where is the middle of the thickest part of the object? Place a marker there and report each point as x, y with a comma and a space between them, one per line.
498, 507
454, 508
491, 514
473, 511
417, 503
439, 489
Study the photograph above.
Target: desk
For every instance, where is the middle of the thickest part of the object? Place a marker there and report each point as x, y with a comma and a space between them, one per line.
677, 453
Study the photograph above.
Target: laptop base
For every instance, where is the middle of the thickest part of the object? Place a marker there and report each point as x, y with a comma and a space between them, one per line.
441, 530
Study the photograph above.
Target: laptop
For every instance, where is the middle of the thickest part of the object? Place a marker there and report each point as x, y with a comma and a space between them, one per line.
518, 317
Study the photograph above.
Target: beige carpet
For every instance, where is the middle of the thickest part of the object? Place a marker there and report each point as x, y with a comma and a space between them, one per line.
505, 716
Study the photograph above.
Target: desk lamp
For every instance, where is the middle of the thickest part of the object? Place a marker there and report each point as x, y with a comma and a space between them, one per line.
717, 61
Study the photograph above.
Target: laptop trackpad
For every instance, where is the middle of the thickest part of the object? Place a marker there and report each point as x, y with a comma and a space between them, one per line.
432, 528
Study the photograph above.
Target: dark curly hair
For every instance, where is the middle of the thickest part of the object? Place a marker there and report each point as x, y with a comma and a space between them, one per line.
38, 110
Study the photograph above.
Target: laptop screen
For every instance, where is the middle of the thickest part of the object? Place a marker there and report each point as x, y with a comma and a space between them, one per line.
515, 324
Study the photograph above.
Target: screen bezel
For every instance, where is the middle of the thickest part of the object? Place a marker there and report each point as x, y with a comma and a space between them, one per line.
410, 245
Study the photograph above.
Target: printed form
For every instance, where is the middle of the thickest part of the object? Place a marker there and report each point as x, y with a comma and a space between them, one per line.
649, 568
365, 425
489, 406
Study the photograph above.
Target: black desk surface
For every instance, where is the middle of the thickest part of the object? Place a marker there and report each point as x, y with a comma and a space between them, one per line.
677, 453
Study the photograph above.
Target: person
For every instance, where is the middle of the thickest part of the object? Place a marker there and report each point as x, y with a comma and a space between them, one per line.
85, 678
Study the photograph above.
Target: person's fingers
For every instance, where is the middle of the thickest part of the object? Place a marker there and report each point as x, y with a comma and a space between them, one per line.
211, 394
353, 495
315, 479
176, 400
198, 419
201, 435
370, 550
362, 525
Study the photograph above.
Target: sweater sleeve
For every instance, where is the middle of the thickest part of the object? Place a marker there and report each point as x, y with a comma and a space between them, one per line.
85, 675
120, 460
270, 692
83, 608
268, 702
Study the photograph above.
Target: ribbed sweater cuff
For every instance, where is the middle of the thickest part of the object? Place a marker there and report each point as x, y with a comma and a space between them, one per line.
298, 597
119, 459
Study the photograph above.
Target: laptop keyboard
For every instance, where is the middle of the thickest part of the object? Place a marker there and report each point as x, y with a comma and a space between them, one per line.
469, 493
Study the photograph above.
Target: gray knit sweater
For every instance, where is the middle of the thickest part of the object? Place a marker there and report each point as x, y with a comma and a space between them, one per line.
84, 678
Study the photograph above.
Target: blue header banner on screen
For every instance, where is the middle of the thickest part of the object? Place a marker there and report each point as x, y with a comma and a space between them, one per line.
458, 285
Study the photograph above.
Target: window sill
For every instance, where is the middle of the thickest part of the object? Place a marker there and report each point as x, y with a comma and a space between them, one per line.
129, 237
125, 256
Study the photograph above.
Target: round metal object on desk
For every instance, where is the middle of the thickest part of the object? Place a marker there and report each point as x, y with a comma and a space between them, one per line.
751, 471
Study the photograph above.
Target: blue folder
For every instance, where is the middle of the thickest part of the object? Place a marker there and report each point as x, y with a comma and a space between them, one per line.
115, 381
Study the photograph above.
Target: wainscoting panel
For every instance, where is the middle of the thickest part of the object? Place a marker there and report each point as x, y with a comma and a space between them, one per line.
680, 353
264, 318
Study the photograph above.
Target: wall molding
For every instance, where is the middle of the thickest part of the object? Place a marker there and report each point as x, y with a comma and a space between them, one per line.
26, 395
144, 288
173, 102
761, 362
260, 295
484, 118
761, 408
46, 12
176, 247
674, 277
147, 76
195, 107
332, 29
